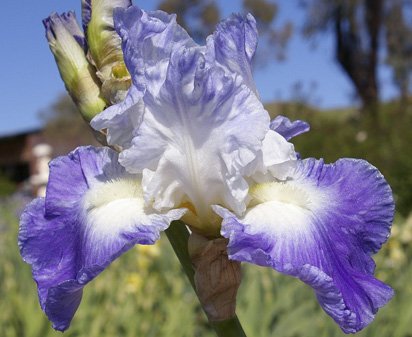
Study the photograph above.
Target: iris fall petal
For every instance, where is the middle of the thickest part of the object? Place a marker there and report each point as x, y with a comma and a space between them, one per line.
93, 212
322, 226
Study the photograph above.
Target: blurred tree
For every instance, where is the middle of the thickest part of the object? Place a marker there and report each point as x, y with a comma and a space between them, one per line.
199, 18
356, 25
64, 127
399, 45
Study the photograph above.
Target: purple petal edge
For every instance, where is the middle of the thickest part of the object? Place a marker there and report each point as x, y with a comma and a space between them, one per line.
331, 252
69, 22
64, 246
288, 129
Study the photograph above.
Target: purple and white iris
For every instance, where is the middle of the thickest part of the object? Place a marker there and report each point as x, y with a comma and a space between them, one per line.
198, 145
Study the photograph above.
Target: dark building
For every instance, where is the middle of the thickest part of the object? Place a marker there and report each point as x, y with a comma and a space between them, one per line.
17, 162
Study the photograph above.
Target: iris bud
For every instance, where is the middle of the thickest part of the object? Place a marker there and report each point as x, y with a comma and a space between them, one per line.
104, 45
67, 44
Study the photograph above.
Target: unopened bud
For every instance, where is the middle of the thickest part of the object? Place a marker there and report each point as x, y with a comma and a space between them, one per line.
217, 278
105, 47
67, 44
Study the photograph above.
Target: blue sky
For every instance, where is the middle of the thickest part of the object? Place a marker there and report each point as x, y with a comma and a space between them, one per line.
30, 81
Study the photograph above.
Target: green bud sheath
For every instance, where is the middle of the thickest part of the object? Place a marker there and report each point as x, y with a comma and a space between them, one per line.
105, 47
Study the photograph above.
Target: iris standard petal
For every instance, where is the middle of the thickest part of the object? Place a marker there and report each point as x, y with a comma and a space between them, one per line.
288, 129
233, 46
278, 157
120, 120
93, 212
199, 126
197, 136
148, 39
321, 226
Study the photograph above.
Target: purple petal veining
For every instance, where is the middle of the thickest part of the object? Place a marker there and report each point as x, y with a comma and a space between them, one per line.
73, 234
288, 129
323, 229
233, 46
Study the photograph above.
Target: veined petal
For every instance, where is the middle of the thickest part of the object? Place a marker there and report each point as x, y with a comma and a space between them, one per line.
288, 129
120, 120
197, 137
321, 226
278, 156
233, 46
93, 212
148, 39
199, 129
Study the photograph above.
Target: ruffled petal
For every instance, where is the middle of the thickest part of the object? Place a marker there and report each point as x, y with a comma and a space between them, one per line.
197, 136
288, 129
93, 212
233, 46
321, 226
278, 157
148, 39
120, 120
199, 126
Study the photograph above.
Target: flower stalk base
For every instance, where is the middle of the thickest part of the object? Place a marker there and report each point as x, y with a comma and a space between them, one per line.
217, 279
178, 236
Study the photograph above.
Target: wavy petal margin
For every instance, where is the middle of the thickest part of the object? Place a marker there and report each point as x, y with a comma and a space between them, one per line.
233, 46
321, 226
93, 212
198, 135
288, 129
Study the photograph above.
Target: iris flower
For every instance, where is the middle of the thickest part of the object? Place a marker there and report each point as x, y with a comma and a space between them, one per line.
196, 144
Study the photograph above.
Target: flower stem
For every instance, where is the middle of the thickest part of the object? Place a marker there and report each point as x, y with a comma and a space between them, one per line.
229, 328
178, 236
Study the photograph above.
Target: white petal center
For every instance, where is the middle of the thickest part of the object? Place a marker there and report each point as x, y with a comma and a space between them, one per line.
287, 205
114, 205
281, 192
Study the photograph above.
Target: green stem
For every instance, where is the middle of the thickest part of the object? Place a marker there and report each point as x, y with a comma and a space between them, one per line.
178, 236
229, 328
